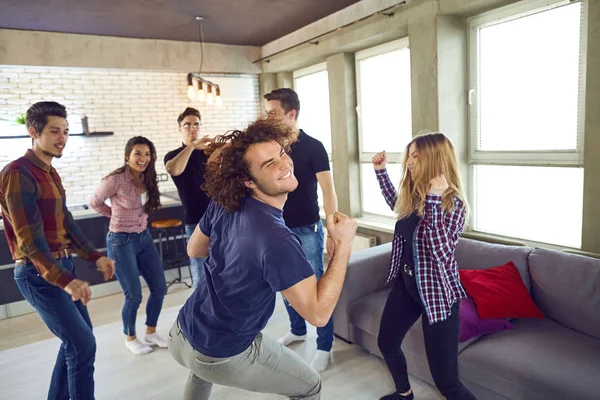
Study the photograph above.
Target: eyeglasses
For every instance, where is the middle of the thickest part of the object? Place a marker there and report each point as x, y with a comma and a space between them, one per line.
196, 125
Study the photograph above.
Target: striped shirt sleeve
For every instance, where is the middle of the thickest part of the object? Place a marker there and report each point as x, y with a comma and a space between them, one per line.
387, 187
441, 233
28, 226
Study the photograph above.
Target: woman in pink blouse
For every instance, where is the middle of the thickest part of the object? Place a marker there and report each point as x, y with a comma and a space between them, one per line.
431, 208
133, 193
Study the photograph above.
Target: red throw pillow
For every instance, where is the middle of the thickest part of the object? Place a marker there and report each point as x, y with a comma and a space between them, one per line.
499, 292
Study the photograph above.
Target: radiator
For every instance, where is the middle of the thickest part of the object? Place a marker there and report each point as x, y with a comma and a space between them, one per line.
362, 242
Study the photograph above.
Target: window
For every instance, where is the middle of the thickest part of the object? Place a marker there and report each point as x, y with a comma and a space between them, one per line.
384, 115
312, 86
526, 121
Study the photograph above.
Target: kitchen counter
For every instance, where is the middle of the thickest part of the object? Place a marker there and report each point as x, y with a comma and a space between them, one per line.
94, 227
79, 211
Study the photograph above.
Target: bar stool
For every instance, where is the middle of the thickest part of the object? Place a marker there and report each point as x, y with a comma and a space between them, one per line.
175, 258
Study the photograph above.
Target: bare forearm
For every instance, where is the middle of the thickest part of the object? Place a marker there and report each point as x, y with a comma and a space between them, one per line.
177, 165
330, 285
330, 202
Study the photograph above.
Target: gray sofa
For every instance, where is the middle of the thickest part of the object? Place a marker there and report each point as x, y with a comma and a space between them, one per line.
557, 357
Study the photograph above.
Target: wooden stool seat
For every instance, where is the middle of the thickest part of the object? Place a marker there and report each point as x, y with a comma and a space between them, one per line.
166, 223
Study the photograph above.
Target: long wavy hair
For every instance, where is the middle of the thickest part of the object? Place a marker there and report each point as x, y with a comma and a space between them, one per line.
436, 155
227, 169
149, 179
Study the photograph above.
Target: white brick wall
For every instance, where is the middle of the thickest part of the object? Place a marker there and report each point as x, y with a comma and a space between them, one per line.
126, 102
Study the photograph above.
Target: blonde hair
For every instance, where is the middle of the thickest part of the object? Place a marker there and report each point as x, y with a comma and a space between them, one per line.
436, 155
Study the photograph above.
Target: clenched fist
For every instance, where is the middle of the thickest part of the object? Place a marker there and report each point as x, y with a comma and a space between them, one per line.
342, 229
379, 160
438, 185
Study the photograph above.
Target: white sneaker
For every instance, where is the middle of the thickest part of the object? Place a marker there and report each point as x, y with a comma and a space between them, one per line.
137, 347
290, 338
156, 340
320, 360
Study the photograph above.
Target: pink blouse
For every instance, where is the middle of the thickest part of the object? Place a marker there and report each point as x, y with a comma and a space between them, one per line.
126, 211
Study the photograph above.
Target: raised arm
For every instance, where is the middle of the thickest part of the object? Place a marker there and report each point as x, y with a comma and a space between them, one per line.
330, 202
315, 301
385, 184
176, 165
442, 232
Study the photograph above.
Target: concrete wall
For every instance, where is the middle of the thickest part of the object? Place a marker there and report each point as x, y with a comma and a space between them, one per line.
72, 50
591, 192
438, 42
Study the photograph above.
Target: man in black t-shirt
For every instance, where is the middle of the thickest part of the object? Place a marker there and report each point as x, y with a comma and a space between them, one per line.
301, 211
186, 167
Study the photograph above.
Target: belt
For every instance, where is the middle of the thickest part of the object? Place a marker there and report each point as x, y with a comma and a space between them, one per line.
64, 253
409, 270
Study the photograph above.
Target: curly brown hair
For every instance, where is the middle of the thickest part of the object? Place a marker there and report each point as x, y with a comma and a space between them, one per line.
227, 168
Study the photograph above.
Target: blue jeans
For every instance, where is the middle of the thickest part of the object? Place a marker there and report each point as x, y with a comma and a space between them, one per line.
135, 253
196, 264
73, 375
313, 245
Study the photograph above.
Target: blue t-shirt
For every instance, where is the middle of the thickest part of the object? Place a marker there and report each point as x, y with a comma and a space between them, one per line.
252, 256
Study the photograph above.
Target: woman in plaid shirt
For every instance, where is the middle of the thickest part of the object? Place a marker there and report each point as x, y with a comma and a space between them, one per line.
431, 210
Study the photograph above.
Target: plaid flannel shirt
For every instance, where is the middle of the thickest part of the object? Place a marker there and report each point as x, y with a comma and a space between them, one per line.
126, 211
36, 219
436, 270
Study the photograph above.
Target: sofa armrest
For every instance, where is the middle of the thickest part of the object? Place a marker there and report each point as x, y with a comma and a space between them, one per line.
367, 273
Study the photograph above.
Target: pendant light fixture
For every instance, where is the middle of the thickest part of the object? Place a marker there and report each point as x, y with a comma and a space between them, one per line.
199, 93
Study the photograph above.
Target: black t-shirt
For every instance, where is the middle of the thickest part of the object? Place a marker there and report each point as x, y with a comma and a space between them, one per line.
194, 199
310, 157
405, 228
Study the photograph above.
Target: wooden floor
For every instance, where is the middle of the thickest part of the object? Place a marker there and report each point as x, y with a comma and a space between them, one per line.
28, 351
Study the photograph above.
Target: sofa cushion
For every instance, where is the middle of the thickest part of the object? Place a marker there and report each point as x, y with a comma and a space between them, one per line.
366, 314
566, 287
538, 359
499, 292
473, 254
471, 325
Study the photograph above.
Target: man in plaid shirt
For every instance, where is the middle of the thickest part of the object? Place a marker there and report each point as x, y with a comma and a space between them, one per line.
41, 235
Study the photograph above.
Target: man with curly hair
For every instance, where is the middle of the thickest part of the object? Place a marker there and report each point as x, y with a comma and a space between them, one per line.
252, 255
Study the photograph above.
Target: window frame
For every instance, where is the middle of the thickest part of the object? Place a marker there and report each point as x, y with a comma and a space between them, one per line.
526, 158
313, 69
557, 158
365, 157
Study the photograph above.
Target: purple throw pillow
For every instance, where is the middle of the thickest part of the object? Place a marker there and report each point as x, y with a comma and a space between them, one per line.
471, 325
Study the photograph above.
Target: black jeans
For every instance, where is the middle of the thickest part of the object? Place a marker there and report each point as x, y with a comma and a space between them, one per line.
402, 309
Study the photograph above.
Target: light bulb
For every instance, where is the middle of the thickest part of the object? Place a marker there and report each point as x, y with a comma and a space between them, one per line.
209, 96
219, 99
191, 92
201, 95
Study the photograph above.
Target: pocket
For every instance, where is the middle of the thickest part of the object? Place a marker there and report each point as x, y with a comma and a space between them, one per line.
119, 238
305, 230
25, 289
210, 361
